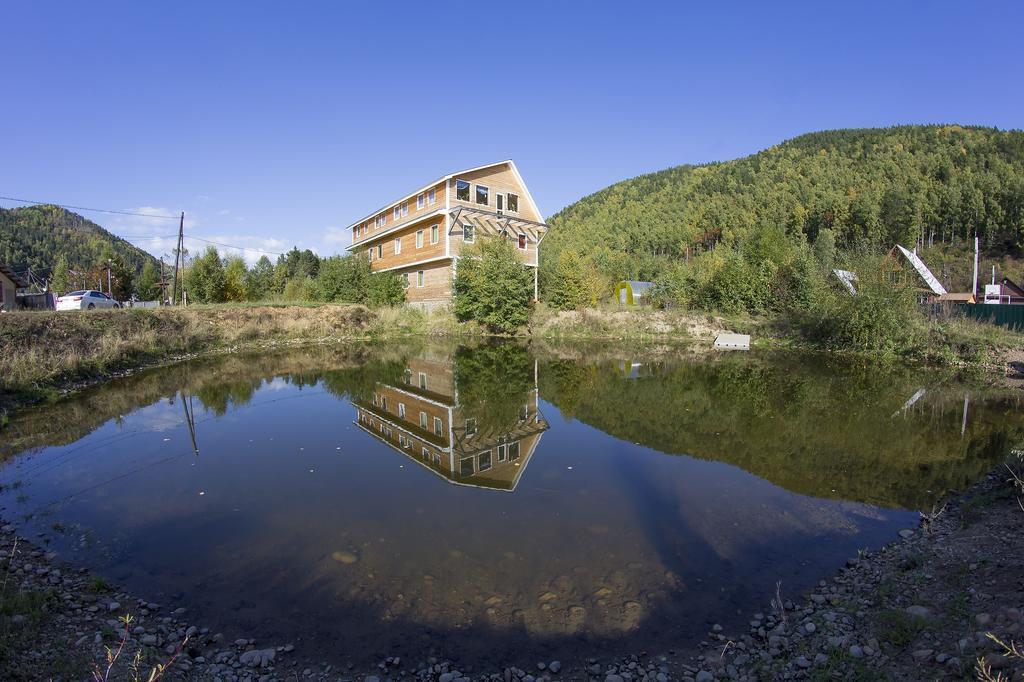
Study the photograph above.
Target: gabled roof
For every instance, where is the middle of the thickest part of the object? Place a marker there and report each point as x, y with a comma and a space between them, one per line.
1012, 286
446, 178
9, 274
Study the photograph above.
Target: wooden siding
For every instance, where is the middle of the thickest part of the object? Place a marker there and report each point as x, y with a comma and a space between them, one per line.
414, 214
499, 178
388, 399
437, 285
410, 254
528, 256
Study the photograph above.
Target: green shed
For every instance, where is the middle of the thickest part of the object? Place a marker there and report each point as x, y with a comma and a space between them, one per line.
630, 292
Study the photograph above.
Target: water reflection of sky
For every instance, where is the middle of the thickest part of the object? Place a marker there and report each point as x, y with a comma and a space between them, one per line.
292, 522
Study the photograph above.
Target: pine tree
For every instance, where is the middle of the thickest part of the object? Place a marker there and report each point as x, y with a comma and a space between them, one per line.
146, 286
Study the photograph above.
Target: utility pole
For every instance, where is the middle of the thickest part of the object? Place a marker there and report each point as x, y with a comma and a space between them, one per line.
110, 291
163, 283
974, 280
178, 258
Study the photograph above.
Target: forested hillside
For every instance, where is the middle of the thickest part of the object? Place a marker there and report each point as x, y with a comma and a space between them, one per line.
870, 188
35, 236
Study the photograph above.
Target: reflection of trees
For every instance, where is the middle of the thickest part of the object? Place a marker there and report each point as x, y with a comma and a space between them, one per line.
815, 429
218, 382
493, 382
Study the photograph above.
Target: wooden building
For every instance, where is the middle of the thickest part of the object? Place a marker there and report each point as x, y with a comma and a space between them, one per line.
421, 235
421, 417
10, 282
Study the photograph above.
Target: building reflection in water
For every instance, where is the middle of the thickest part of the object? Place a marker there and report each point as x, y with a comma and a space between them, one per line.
422, 417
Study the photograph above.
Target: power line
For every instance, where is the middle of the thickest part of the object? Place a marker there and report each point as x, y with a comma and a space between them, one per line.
232, 246
84, 208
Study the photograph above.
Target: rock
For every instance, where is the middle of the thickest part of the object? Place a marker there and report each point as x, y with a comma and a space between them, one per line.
344, 557
594, 669
906, 533
802, 662
923, 654
371, 678
996, 661
716, 628
983, 619
149, 640
555, 666
257, 657
810, 627
820, 659
856, 651
702, 676
618, 678
919, 611
446, 677
113, 606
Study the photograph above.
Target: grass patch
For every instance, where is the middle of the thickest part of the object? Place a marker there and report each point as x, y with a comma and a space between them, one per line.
99, 585
899, 628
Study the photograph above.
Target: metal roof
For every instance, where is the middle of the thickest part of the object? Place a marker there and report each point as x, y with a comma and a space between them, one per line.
638, 287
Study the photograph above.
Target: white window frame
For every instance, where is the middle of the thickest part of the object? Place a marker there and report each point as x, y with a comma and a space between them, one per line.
468, 233
421, 200
507, 208
469, 188
396, 212
431, 197
476, 192
401, 410
380, 251
438, 426
423, 420
420, 279
405, 208
422, 379
398, 246
521, 238
479, 463
419, 239
435, 234
405, 285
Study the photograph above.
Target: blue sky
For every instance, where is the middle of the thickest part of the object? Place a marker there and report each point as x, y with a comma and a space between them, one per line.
279, 124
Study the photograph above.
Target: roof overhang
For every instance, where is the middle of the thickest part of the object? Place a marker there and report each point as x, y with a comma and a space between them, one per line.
10, 274
444, 179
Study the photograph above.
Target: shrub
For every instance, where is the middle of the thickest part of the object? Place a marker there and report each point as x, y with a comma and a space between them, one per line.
492, 286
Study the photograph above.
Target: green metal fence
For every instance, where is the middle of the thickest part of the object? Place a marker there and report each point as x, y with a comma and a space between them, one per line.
1011, 316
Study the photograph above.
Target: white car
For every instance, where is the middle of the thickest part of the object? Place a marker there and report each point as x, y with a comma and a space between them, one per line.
87, 299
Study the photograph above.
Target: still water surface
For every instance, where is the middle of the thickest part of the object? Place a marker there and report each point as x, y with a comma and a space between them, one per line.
493, 503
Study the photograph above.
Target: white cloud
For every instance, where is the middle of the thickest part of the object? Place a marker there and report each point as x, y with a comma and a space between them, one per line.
336, 236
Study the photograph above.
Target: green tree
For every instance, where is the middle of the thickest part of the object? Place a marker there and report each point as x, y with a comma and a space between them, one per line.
147, 284
343, 279
261, 279
825, 247
205, 278
122, 277
60, 277
386, 289
569, 289
492, 286
236, 276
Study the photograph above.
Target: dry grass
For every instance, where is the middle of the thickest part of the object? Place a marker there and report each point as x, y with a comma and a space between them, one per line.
43, 350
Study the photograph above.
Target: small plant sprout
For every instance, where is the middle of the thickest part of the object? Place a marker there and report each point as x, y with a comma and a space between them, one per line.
928, 519
778, 605
112, 656
983, 670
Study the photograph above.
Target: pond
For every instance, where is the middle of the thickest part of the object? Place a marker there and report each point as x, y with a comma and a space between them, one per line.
495, 503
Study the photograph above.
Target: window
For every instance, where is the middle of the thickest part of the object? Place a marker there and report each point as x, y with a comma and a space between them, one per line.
512, 203
485, 461
466, 466
396, 212
419, 239
421, 199
482, 195
380, 250
407, 377
499, 202
405, 208
501, 453
398, 245
423, 380
468, 233
426, 454
513, 451
461, 190
524, 413
522, 241
435, 234
438, 426
375, 400
382, 220
355, 233
364, 229
369, 254
470, 427
402, 440
419, 278
437, 458
405, 284
432, 196
401, 410
384, 403
423, 420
